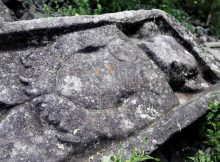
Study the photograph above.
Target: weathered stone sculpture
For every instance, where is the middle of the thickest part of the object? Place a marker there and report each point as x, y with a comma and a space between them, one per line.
5, 13
74, 86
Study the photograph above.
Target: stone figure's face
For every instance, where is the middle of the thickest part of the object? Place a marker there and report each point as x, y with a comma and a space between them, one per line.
86, 88
100, 73
105, 79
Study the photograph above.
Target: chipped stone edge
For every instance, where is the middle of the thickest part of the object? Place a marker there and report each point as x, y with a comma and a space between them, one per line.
71, 23
161, 130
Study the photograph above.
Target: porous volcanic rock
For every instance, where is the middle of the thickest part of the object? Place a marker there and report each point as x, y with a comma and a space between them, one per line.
74, 88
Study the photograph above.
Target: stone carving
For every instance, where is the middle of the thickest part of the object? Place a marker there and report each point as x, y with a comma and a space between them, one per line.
72, 86
5, 13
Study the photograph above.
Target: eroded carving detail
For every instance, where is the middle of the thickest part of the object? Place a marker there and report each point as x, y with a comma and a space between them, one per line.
82, 88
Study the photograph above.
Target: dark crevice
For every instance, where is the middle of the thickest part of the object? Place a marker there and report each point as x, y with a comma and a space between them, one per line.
123, 96
126, 94
25, 83
182, 145
174, 73
41, 37
174, 81
55, 124
69, 139
120, 60
24, 62
16, 6
152, 56
207, 73
154, 92
182, 88
130, 29
90, 49
5, 106
176, 85
4, 109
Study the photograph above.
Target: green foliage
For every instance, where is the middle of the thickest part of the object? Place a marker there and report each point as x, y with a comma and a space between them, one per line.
120, 5
91, 7
136, 156
201, 157
206, 10
182, 17
72, 7
212, 130
183, 10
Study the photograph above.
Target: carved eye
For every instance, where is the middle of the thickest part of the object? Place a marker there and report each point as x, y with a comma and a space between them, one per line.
90, 49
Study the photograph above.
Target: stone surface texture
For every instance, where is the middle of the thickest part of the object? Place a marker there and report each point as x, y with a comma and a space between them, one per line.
75, 88
5, 13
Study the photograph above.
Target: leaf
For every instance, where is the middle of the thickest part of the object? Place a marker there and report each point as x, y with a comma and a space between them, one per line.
113, 158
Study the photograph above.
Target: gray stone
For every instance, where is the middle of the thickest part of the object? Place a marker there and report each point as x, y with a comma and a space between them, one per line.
5, 13
23, 9
179, 65
74, 86
200, 31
